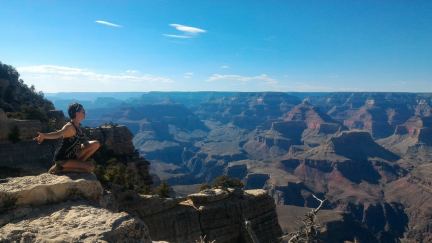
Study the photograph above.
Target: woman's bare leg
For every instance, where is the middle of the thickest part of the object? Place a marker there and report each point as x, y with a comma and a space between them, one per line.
77, 166
80, 164
88, 150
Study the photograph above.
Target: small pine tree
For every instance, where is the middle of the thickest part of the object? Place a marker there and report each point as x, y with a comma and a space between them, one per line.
163, 190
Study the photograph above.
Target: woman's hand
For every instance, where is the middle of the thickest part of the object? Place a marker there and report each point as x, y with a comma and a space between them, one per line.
40, 138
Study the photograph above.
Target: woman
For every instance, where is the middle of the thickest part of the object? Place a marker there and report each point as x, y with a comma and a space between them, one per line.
71, 156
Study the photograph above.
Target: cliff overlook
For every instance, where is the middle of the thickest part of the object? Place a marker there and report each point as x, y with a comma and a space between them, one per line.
75, 208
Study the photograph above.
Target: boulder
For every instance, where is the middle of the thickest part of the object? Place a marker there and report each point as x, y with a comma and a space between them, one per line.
71, 222
47, 188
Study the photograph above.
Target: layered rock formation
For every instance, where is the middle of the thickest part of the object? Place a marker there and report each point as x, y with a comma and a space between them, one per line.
117, 160
412, 140
247, 110
414, 192
117, 139
20, 154
217, 214
26, 128
348, 170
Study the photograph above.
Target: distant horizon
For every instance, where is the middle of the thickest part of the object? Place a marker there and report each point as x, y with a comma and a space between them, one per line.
223, 46
211, 91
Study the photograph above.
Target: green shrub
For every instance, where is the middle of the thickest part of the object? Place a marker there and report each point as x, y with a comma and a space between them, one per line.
227, 182
163, 190
116, 172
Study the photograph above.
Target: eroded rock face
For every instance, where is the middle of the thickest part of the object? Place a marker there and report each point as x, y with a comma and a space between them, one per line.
116, 141
414, 191
116, 138
359, 145
256, 180
237, 171
26, 158
218, 214
412, 140
72, 222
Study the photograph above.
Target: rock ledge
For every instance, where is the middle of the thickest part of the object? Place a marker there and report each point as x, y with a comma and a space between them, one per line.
47, 188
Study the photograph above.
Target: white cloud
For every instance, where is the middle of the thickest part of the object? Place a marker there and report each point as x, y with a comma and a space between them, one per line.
224, 67
187, 31
52, 78
106, 23
178, 36
243, 79
188, 75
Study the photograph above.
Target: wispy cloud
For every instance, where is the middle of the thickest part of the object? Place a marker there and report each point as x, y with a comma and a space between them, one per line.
52, 78
106, 23
224, 67
187, 31
178, 36
188, 75
243, 79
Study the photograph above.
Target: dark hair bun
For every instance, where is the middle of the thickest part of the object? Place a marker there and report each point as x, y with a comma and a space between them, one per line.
73, 109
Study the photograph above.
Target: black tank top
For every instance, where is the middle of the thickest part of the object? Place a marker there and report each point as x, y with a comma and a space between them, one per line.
69, 147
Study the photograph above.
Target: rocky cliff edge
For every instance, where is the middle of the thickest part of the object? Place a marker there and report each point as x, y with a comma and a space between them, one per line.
74, 208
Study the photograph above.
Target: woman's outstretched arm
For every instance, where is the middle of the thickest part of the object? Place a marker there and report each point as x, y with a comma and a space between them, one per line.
66, 131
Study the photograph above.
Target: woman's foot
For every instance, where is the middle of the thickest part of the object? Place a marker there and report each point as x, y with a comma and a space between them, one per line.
55, 169
75, 170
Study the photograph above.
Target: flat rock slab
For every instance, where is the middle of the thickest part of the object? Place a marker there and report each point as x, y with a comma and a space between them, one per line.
256, 193
208, 195
47, 188
72, 222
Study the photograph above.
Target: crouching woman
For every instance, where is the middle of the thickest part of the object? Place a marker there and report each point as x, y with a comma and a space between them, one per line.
74, 151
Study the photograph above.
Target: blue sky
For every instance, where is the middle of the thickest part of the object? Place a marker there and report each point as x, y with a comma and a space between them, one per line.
219, 45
